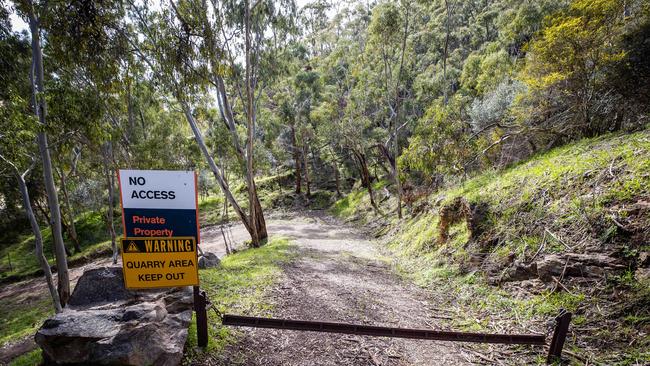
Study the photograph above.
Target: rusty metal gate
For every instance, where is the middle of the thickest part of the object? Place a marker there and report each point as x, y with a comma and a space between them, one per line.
554, 353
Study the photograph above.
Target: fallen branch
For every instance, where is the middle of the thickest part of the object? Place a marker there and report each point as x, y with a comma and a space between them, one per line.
483, 357
621, 226
558, 239
575, 355
540, 247
561, 285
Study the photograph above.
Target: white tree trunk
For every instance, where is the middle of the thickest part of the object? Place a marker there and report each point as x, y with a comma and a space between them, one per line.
214, 168
250, 125
72, 230
38, 101
110, 182
38, 241
38, 238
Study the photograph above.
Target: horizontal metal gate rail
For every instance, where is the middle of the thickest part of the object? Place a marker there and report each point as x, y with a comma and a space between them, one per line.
370, 330
560, 331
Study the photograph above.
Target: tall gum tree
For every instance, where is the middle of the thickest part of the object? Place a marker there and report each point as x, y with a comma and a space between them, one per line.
196, 47
32, 11
18, 141
36, 230
388, 33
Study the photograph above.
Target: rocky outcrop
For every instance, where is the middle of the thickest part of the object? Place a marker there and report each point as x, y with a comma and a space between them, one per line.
519, 271
106, 324
561, 265
577, 265
208, 260
642, 272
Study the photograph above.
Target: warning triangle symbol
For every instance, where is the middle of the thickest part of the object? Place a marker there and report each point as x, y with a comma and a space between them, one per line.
132, 247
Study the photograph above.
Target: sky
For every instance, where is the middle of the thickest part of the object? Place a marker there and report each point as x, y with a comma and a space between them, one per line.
17, 24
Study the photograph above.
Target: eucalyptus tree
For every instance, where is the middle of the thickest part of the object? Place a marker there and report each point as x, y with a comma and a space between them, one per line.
20, 175
33, 12
76, 112
342, 117
388, 33
299, 93
18, 137
223, 48
285, 110
347, 106
91, 56
314, 20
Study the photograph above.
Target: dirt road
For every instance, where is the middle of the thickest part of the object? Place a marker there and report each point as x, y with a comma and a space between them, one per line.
339, 276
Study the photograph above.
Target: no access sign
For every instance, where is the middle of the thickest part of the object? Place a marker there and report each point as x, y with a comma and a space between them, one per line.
161, 228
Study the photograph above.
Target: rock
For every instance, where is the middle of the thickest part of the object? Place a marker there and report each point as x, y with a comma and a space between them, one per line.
523, 288
642, 274
577, 265
108, 324
100, 285
519, 271
552, 265
208, 260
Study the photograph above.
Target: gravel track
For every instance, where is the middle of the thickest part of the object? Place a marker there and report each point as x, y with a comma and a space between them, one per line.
339, 276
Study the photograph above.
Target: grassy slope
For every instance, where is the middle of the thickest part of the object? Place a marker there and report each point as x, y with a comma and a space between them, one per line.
272, 191
571, 192
28, 359
20, 318
93, 238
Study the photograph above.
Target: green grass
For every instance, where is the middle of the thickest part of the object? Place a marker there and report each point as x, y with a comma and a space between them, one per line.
31, 358
211, 210
21, 316
272, 192
320, 200
18, 260
563, 191
348, 205
239, 286
549, 190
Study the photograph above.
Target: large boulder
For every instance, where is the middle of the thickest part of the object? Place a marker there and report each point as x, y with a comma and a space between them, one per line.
106, 324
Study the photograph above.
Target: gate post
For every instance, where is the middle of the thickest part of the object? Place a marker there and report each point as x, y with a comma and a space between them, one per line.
201, 317
559, 336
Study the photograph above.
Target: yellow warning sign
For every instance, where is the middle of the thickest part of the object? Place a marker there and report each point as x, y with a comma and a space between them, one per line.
159, 262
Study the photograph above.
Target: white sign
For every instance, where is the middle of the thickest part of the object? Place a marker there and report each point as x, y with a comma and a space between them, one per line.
161, 228
160, 189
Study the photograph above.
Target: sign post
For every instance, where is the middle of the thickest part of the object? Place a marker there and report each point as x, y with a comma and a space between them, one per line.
161, 234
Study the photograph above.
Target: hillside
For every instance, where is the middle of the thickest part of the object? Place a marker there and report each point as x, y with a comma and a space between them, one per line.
565, 229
